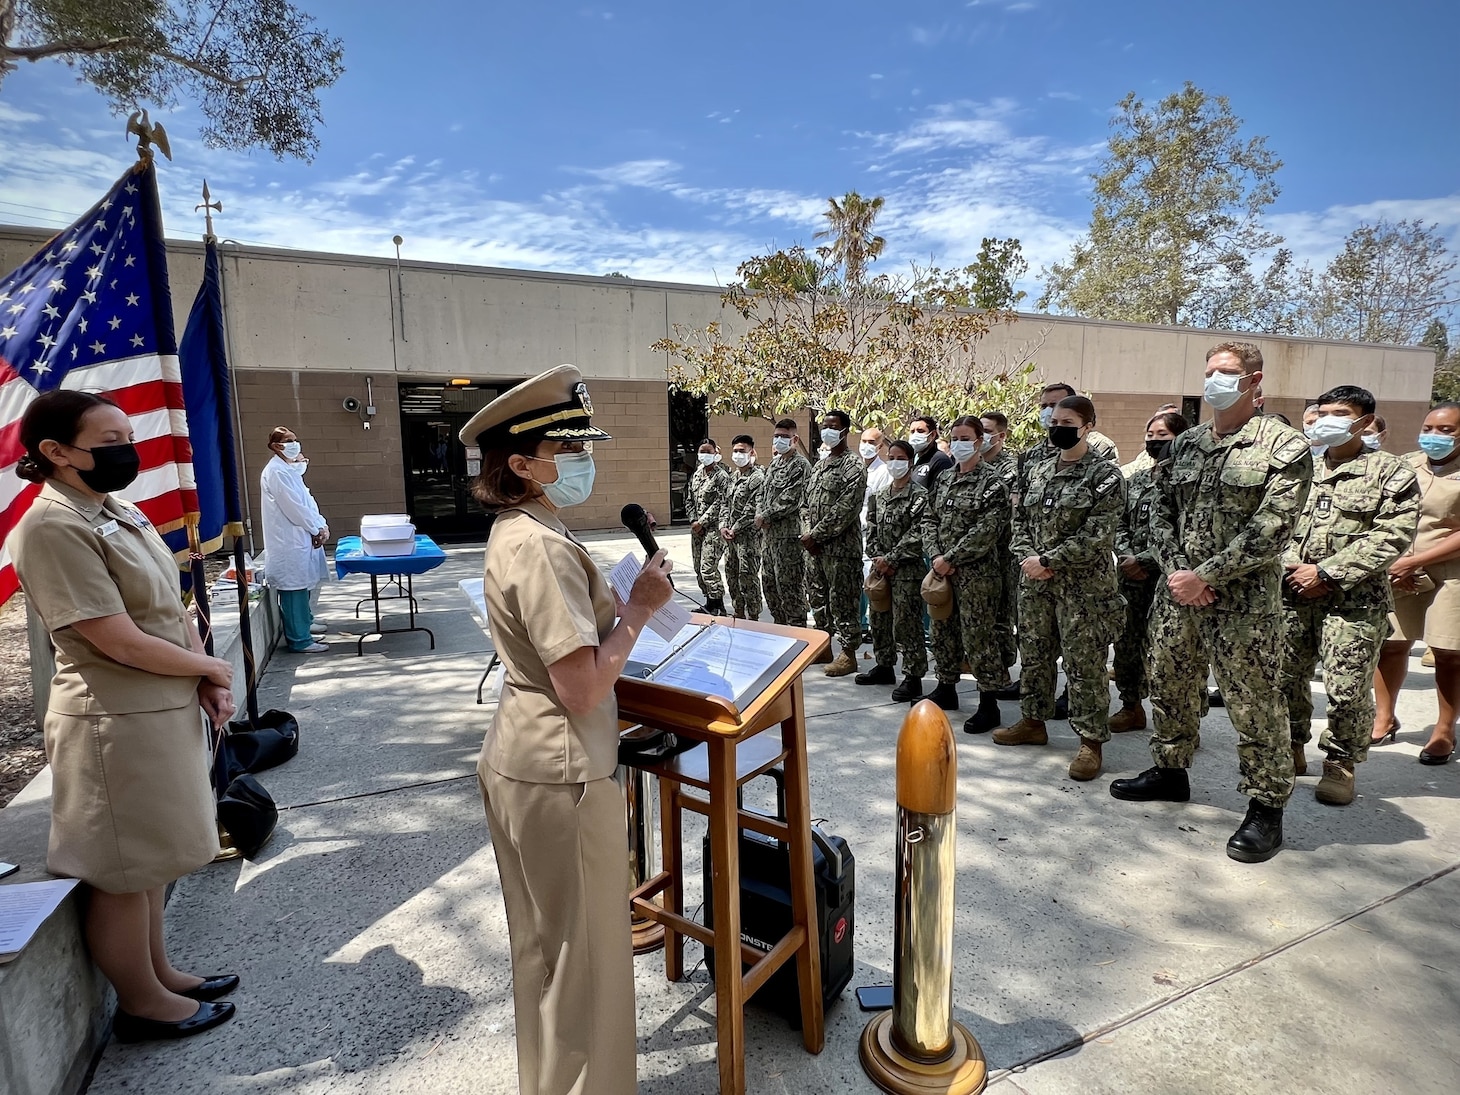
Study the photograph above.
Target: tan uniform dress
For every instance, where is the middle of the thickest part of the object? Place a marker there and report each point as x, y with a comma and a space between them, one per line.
1434, 616
131, 806
557, 817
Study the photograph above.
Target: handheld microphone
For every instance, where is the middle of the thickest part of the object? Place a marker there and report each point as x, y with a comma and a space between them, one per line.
637, 521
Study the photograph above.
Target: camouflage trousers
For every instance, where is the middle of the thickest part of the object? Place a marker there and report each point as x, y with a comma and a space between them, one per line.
1007, 611
1347, 639
968, 634
1244, 649
1061, 622
707, 548
1133, 648
834, 587
742, 573
783, 576
900, 629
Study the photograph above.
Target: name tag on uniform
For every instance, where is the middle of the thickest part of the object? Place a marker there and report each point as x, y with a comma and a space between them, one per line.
107, 529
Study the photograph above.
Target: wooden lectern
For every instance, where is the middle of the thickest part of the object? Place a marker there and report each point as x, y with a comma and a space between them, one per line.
735, 749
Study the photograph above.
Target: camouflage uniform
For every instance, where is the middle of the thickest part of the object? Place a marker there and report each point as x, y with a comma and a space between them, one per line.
742, 554
782, 557
967, 515
1132, 648
1007, 465
832, 514
895, 532
704, 502
1068, 514
1226, 510
1360, 517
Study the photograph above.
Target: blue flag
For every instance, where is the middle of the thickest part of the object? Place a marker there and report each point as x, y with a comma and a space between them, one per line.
208, 398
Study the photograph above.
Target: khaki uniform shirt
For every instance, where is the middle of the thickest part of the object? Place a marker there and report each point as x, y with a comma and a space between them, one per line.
1360, 517
80, 559
1228, 508
781, 495
545, 599
1439, 513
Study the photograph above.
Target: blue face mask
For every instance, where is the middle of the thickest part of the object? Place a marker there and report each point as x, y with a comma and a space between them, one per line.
1437, 446
575, 479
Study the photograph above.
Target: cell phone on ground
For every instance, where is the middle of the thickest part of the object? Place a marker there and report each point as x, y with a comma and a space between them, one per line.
874, 997
7, 869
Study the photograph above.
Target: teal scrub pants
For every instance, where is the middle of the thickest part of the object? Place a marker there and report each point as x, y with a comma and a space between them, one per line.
298, 617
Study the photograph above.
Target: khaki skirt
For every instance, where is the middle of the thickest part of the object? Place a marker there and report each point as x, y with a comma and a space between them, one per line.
131, 802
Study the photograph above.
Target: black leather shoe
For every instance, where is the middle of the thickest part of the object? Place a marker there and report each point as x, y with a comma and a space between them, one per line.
133, 1028
1215, 698
986, 717
945, 695
1010, 693
1154, 785
910, 689
212, 987
878, 674
1062, 705
1259, 836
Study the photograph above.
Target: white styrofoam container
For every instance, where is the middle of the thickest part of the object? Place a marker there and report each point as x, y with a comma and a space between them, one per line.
400, 545
386, 526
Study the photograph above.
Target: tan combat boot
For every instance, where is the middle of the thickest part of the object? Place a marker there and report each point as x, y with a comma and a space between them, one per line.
1128, 718
1427, 659
1336, 788
1087, 762
842, 664
1300, 760
1023, 732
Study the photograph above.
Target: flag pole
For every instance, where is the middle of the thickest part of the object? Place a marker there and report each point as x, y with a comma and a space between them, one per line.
200, 584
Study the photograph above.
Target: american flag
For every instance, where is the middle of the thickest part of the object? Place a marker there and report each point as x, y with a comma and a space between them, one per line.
91, 311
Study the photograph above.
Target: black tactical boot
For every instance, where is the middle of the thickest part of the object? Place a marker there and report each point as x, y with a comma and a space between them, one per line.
986, 717
909, 690
1062, 705
945, 695
1260, 835
1010, 693
1154, 785
715, 606
878, 674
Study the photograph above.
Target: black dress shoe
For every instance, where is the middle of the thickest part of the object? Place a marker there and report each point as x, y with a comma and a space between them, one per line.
133, 1028
945, 695
878, 674
1215, 698
1010, 693
212, 987
986, 717
1154, 785
910, 689
1062, 705
1259, 836
1426, 757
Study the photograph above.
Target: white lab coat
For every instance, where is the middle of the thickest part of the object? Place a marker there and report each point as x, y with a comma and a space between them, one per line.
291, 520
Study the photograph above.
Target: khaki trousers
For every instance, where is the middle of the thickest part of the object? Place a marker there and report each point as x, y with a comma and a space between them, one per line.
562, 853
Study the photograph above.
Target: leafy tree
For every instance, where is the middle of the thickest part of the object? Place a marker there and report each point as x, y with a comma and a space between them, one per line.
1000, 264
1386, 285
849, 227
1177, 216
255, 67
1437, 338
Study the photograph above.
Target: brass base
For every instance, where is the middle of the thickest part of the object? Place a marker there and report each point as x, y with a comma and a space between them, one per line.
963, 1072
648, 936
226, 849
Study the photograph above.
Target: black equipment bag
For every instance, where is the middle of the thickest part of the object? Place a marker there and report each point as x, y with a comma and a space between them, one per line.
765, 908
272, 743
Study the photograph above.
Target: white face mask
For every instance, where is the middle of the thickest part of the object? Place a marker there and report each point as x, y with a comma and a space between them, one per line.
898, 468
1373, 442
709, 458
292, 449
987, 443
1318, 451
1046, 417
740, 458
919, 441
831, 438
1331, 430
962, 450
1221, 390
781, 445
867, 449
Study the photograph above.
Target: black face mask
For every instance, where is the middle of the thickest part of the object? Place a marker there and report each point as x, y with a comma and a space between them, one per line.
115, 466
1064, 437
1158, 450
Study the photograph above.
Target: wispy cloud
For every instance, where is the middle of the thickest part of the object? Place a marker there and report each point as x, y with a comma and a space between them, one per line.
1317, 236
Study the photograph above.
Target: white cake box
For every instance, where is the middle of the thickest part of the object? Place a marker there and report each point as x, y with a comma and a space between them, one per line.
386, 534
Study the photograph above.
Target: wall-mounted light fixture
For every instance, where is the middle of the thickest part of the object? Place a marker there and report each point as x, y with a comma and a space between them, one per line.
365, 411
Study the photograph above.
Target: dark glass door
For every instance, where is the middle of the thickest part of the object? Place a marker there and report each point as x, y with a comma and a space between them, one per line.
439, 470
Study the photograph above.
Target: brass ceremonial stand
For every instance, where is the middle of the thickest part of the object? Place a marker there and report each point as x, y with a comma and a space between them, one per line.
735, 748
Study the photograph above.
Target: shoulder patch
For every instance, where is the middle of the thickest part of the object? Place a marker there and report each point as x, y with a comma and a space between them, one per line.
1291, 449
1106, 480
1402, 483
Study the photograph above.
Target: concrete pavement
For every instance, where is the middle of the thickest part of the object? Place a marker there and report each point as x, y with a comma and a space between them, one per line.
1102, 946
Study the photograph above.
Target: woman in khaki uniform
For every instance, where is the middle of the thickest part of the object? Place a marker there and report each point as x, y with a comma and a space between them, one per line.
546, 767
132, 805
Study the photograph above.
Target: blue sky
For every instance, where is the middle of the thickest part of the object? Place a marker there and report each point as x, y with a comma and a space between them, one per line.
672, 140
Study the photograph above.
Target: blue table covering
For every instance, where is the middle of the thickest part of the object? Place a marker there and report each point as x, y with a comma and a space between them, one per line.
350, 558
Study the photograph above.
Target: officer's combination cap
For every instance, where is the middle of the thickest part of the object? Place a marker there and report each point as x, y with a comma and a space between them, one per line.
552, 406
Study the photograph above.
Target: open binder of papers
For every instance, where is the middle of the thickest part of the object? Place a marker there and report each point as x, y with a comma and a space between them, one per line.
733, 663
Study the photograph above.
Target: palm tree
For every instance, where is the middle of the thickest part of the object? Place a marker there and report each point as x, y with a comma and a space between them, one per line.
849, 227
